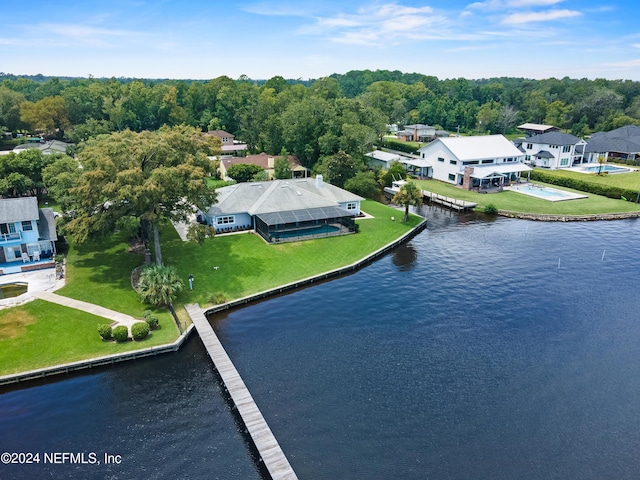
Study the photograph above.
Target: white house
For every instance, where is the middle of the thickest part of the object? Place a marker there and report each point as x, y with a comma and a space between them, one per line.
552, 150
474, 162
285, 210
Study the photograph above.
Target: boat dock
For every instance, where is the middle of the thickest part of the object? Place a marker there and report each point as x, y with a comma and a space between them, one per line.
453, 203
434, 198
263, 439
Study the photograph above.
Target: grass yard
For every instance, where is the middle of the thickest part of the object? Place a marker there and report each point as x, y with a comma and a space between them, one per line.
39, 334
517, 202
246, 264
629, 180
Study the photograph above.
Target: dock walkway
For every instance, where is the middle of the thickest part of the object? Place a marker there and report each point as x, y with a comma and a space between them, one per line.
266, 444
453, 203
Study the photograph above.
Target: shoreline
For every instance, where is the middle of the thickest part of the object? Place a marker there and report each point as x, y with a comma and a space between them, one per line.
551, 217
21, 377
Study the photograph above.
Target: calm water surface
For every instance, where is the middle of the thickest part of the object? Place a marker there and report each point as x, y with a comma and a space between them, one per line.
486, 350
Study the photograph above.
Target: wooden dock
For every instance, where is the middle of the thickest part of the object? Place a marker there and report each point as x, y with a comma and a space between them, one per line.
266, 444
449, 202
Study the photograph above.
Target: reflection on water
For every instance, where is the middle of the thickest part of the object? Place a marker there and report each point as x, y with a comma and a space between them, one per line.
470, 352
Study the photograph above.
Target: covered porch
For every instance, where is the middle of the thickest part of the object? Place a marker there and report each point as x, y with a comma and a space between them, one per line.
494, 177
305, 224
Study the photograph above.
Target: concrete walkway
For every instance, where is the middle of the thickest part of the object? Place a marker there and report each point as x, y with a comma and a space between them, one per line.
117, 317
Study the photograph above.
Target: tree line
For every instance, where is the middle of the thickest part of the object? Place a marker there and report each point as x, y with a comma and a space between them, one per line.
318, 118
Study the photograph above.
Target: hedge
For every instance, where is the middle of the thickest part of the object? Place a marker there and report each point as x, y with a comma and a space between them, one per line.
139, 330
585, 186
397, 145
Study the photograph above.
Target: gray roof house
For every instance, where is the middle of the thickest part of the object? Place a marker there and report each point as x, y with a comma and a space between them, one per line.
46, 147
552, 150
622, 143
285, 210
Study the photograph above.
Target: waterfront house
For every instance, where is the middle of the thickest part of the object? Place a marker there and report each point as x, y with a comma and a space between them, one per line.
284, 210
417, 133
473, 162
46, 147
620, 144
267, 162
27, 233
552, 150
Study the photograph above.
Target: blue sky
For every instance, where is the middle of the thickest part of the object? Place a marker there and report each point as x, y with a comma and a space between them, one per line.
304, 39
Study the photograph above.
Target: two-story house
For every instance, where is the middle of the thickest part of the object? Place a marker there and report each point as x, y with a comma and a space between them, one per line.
228, 143
552, 150
417, 133
27, 233
474, 162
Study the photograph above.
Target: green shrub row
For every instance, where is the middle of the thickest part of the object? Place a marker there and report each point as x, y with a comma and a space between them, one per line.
121, 333
585, 186
398, 145
139, 330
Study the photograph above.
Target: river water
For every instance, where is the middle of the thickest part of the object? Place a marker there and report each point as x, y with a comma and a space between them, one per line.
484, 349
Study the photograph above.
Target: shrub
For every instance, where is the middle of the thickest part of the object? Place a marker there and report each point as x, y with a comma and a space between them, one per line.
491, 209
120, 333
105, 331
583, 185
139, 330
152, 321
218, 298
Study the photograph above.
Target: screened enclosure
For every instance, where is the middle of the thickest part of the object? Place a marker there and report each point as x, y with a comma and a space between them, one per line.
294, 225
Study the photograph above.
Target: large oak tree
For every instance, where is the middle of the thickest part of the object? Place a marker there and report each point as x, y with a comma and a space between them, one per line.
150, 176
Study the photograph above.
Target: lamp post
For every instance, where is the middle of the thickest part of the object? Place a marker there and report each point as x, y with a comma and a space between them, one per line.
190, 282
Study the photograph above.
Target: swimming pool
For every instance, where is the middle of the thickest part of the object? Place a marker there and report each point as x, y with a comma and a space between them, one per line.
604, 168
305, 232
9, 290
545, 193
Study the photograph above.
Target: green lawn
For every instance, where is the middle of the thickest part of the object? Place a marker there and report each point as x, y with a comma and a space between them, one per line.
40, 334
246, 264
517, 202
623, 180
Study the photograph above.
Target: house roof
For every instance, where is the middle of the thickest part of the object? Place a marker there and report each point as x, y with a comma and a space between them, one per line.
537, 127
261, 159
476, 147
257, 198
383, 156
47, 226
484, 171
51, 145
623, 140
219, 133
18, 209
544, 154
554, 138
418, 126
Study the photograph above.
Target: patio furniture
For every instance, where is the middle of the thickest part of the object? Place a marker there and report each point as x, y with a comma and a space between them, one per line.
36, 256
25, 257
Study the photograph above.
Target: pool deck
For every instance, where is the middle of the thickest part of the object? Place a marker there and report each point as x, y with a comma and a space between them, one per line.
581, 168
530, 190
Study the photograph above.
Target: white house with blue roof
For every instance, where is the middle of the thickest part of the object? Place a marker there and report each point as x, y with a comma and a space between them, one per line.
27, 233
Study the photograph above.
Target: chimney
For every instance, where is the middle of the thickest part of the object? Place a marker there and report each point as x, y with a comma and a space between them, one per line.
318, 180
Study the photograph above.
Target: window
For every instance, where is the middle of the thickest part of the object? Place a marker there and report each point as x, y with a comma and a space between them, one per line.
27, 226
472, 162
225, 139
352, 206
527, 158
564, 162
529, 146
452, 177
7, 228
487, 161
553, 146
440, 159
511, 159
566, 148
453, 162
225, 220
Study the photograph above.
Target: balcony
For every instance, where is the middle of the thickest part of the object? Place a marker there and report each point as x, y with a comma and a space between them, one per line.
10, 237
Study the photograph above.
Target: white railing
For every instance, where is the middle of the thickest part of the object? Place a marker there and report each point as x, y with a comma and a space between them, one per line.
7, 237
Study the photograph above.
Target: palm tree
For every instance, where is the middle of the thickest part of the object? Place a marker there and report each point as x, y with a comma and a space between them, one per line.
601, 160
159, 285
409, 194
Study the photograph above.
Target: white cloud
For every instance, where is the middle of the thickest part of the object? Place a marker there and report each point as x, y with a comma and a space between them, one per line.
628, 63
505, 4
528, 17
376, 24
